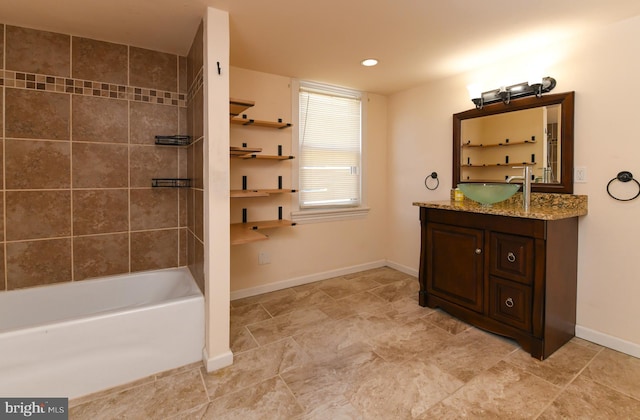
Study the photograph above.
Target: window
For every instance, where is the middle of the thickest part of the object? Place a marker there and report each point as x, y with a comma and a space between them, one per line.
329, 131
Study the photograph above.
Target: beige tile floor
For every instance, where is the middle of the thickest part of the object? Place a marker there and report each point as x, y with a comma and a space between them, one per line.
360, 347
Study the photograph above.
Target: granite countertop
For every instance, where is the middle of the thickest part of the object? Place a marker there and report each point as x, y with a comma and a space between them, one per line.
544, 206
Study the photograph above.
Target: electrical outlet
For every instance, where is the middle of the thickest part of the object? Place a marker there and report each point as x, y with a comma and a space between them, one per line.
580, 174
264, 258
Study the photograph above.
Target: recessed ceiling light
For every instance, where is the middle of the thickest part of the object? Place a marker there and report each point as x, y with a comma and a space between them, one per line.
369, 62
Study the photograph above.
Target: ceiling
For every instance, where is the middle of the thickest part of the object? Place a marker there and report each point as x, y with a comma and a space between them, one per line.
324, 40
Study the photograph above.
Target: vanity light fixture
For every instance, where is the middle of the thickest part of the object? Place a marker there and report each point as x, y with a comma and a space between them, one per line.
369, 62
520, 90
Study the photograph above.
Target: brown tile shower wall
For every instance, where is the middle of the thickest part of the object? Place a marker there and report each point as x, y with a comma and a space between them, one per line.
78, 155
195, 198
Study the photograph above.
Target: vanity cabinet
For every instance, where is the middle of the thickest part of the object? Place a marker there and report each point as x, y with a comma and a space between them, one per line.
509, 275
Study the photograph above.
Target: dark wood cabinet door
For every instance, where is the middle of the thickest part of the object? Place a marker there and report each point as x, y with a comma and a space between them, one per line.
455, 264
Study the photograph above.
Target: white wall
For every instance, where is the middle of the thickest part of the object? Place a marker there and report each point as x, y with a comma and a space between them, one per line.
216, 353
306, 252
601, 67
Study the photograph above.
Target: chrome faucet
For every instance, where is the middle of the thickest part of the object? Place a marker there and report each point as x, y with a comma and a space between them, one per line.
526, 185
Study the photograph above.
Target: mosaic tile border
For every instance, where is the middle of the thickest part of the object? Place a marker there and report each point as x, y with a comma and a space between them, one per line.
33, 81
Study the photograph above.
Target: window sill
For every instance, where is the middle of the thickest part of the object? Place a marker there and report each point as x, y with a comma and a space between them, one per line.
328, 215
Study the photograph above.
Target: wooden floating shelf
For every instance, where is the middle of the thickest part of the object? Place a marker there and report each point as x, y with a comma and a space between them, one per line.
260, 123
270, 224
515, 143
237, 106
247, 193
239, 151
279, 191
507, 165
258, 193
267, 224
254, 156
243, 233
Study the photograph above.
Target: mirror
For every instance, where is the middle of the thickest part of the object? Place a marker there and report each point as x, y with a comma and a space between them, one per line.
489, 142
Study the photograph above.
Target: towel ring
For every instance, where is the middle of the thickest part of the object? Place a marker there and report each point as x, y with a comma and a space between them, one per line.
434, 176
624, 176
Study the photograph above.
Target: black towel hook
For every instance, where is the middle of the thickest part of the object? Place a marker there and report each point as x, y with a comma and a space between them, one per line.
624, 176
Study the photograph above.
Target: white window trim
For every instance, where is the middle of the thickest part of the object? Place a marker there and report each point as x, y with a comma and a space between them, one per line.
301, 216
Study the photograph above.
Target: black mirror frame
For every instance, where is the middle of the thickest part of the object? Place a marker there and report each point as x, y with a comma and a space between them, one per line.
567, 101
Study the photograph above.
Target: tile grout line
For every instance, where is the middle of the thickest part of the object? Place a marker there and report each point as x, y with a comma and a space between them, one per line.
71, 194
204, 385
252, 337
4, 166
129, 250
563, 388
605, 385
302, 408
177, 153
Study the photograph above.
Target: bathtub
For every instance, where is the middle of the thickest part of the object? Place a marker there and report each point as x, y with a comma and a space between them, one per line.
72, 339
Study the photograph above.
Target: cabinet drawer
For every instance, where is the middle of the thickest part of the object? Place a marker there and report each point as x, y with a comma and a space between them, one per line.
510, 303
512, 257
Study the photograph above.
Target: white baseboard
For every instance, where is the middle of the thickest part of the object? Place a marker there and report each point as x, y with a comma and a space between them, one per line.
222, 360
615, 343
297, 281
402, 268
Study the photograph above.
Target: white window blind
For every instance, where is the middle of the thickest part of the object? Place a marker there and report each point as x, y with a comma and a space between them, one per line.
330, 148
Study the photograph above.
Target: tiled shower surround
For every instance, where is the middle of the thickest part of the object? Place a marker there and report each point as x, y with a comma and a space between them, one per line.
79, 122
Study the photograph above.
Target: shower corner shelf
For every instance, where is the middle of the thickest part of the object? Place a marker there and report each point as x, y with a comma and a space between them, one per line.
175, 140
171, 182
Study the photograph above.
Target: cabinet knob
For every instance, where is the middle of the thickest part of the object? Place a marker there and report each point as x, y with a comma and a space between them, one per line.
511, 257
509, 303
478, 251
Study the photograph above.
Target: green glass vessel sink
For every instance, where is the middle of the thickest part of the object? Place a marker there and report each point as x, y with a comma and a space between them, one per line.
488, 194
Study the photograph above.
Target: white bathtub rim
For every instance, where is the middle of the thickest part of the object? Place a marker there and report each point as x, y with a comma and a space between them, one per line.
84, 318
100, 279
89, 318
